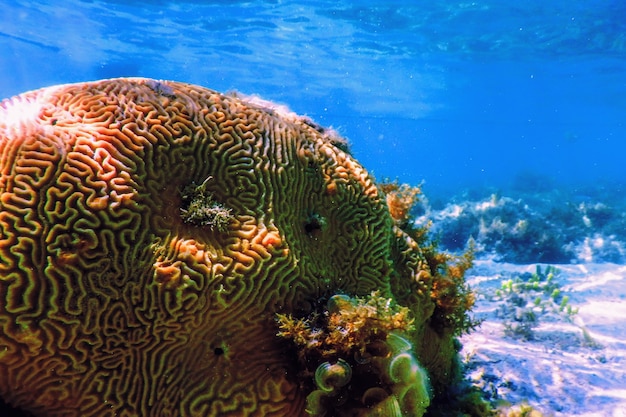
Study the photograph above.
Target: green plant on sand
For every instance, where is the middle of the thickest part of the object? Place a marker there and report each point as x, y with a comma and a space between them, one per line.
529, 296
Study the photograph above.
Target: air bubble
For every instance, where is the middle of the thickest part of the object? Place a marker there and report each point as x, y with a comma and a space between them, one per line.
338, 302
329, 376
373, 396
398, 344
403, 368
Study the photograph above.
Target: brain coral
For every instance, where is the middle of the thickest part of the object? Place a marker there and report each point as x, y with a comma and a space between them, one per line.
152, 231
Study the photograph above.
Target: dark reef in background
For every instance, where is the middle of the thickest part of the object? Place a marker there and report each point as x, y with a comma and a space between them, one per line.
541, 225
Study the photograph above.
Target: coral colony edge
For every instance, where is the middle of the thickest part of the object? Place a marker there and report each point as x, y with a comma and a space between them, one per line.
167, 250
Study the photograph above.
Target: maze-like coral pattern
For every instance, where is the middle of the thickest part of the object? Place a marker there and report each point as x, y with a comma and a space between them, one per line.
112, 304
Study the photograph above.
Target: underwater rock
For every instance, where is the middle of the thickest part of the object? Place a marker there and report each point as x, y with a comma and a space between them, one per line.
150, 233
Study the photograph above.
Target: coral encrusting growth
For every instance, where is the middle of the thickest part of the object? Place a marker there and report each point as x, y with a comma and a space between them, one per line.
445, 273
361, 358
151, 231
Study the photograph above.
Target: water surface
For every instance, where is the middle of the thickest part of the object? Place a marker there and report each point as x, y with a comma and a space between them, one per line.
457, 94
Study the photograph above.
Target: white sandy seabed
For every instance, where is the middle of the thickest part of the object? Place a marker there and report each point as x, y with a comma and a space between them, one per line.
560, 364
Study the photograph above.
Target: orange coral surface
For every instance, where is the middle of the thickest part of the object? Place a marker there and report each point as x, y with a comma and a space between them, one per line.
114, 303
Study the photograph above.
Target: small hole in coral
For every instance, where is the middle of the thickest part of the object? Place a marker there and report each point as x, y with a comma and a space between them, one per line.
314, 225
218, 351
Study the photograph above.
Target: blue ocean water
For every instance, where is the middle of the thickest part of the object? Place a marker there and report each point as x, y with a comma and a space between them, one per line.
467, 97
454, 94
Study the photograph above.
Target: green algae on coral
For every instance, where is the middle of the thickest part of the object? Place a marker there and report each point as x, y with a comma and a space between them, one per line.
201, 209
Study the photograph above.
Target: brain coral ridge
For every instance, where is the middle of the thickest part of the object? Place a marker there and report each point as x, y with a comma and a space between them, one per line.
113, 304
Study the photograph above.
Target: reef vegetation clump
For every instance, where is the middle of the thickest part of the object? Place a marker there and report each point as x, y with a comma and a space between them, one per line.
401, 199
452, 296
558, 226
358, 353
168, 250
200, 208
